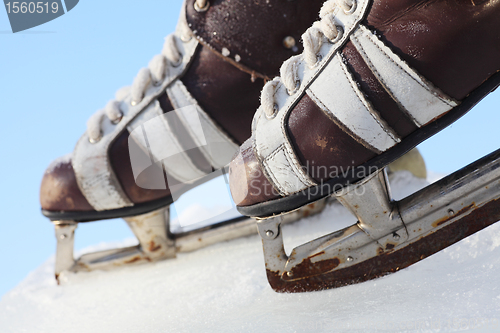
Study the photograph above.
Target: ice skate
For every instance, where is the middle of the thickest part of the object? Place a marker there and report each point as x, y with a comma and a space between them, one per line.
210, 72
376, 78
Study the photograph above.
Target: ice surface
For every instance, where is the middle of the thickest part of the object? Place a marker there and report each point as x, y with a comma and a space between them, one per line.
223, 288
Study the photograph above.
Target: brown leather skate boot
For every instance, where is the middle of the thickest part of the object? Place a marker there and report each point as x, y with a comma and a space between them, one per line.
216, 64
376, 78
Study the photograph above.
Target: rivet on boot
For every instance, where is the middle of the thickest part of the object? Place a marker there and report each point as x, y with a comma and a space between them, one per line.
349, 6
201, 5
95, 140
289, 43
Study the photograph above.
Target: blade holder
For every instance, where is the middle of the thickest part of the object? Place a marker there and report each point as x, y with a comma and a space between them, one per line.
389, 235
370, 200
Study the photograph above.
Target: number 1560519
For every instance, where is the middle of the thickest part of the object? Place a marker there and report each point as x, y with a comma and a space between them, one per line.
32, 7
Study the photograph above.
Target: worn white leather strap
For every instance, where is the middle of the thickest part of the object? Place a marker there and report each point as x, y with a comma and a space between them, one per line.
416, 96
333, 88
214, 144
90, 161
338, 95
270, 136
285, 173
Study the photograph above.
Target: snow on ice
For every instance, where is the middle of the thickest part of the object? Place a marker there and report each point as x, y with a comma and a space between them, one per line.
223, 288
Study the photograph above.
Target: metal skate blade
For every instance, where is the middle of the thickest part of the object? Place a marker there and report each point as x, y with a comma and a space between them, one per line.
156, 242
390, 235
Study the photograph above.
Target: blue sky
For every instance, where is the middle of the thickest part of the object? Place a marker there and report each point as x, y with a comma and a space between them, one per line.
55, 76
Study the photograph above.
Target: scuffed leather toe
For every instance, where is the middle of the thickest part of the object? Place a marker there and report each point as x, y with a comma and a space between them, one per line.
247, 181
59, 190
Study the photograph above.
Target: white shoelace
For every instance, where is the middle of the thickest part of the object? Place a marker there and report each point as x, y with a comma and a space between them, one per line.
312, 40
154, 74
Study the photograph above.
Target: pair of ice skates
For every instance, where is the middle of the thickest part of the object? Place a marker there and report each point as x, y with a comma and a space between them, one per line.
357, 98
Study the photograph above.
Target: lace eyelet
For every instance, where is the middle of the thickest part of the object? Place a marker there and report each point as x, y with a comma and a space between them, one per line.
116, 121
340, 34
294, 91
203, 8
319, 57
352, 9
275, 112
157, 83
177, 64
186, 37
92, 141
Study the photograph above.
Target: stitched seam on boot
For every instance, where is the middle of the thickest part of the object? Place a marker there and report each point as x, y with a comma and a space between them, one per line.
353, 82
428, 86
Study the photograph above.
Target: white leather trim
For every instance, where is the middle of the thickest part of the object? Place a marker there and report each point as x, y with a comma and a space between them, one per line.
214, 144
338, 95
421, 100
270, 134
94, 175
284, 174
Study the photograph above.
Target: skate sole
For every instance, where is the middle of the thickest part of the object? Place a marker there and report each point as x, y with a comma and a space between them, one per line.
89, 216
314, 193
137, 209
